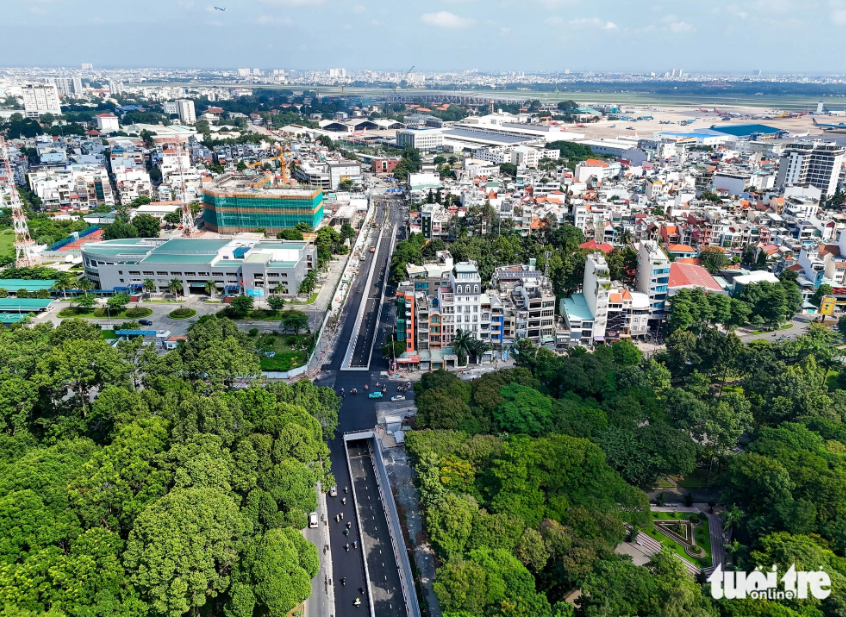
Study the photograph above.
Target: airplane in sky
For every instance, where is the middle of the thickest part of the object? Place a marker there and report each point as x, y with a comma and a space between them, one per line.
217, 8
841, 126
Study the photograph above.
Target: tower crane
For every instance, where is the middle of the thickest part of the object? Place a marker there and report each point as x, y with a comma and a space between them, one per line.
407, 73
25, 255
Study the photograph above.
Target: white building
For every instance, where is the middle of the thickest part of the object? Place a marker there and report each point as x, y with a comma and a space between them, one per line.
816, 163
170, 107
75, 187
424, 141
596, 288
67, 86
186, 112
40, 99
653, 276
131, 184
467, 289
107, 123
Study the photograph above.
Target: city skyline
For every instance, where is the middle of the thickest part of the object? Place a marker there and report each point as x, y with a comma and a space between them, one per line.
445, 35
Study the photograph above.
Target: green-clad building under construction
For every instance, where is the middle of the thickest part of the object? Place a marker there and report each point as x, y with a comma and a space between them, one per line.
231, 205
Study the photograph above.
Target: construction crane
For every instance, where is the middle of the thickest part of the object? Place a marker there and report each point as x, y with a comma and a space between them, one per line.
407, 73
25, 255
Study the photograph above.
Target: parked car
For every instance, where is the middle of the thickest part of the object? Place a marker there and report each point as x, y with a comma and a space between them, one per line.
375, 395
398, 397
312, 520
333, 491
145, 322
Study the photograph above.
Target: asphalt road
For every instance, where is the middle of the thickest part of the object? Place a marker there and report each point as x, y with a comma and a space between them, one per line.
357, 412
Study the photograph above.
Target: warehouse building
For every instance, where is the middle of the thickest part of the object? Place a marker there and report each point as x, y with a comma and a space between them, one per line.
234, 205
252, 267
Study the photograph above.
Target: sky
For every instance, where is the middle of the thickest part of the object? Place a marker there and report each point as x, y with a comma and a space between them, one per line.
779, 36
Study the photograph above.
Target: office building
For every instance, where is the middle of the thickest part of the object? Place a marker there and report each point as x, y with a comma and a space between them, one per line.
424, 141
653, 276
186, 111
256, 268
170, 107
39, 99
107, 123
232, 205
816, 163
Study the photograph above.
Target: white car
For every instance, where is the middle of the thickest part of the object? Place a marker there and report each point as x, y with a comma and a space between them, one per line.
398, 397
333, 491
312, 520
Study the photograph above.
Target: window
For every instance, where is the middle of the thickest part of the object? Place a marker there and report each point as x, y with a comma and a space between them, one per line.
120, 271
190, 274
476, 290
148, 273
134, 272
459, 289
176, 274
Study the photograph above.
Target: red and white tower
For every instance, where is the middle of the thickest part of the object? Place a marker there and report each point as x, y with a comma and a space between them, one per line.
25, 254
188, 228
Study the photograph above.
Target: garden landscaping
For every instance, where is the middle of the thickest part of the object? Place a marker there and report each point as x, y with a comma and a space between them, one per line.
675, 530
283, 352
101, 313
182, 313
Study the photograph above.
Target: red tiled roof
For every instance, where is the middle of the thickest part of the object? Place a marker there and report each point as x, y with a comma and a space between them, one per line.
680, 248
688, 275
592, 245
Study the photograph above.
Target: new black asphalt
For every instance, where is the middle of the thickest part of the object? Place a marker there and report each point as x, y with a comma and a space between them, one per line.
358, 412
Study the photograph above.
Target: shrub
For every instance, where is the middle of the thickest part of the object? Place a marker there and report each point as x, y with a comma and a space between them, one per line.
253, 332
182, 313
137, 312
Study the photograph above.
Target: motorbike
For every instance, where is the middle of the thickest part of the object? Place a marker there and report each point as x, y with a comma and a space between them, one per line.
349, 524
366, 387
355, 543
353, 391
344, 501
337, 518
346, 532
357, 603
346, 488
344, 581
347, 547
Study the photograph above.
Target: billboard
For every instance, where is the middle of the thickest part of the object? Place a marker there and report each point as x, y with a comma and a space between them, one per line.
256, 293
827, 306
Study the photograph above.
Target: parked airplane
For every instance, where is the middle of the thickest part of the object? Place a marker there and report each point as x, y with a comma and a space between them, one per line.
841, 126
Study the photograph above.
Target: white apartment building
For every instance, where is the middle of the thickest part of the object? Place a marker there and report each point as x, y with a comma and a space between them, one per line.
596, 288
67, 86
185, 109
466, 286
170, 107
816, 163
107, 123
132, 183
653, 276
425, 141
172, 164
40, 99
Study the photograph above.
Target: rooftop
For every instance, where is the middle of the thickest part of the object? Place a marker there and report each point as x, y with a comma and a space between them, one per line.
576, 307
689, 275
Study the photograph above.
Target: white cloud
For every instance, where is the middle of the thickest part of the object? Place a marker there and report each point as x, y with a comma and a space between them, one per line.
185, 4
359, 8
267, 20
375, 22
291, 2
38, 10
445, 19
554, 20
839, 17
681, 26
504, 31
96, 20
593, 22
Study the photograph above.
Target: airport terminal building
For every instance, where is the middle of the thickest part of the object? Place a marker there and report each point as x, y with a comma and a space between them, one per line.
237, 266
235, 204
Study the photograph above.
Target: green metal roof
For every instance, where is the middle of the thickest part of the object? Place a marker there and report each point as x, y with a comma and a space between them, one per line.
282, 264
23, 304
280, 245
29, 285
192, 245
177, 258
8, 318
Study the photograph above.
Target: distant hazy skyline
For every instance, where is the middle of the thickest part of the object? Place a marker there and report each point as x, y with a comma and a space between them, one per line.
435, 35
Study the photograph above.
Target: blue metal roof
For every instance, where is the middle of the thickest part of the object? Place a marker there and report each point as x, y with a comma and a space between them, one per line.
135, 332
745, 130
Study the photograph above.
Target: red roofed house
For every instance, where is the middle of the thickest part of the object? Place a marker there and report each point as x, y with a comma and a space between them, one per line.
593, 245
689, 276
107, 123
681, 250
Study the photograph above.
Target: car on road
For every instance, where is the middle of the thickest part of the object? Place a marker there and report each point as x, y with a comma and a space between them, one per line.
398, 397
145, 322
333, 491
374, 395
312, 520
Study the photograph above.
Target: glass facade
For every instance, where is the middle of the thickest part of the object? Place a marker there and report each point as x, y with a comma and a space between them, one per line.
230, 212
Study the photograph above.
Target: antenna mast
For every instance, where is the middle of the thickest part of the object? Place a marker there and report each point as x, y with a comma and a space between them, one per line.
187, 221
25, 256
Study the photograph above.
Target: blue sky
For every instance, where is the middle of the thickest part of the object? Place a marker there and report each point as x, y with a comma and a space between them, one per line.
509, 35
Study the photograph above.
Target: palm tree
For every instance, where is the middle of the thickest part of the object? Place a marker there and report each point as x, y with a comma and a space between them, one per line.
85, 285
280, 289
478, 349
174, 286
211, 288
149, 285
64, 281
461, 343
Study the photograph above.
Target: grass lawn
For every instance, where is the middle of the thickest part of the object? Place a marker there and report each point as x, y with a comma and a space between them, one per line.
182, 313
310, 300
703, 537
255, 315
292, 350
663, 483
109, 334
100, 313
697, 479
784, 327
7, 241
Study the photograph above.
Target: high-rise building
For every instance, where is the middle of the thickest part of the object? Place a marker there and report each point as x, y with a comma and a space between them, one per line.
87, 66
67, 86
186, 112
815, 163
597, 283
115, 87
41, 99
170, 107
243, 72
653, 275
